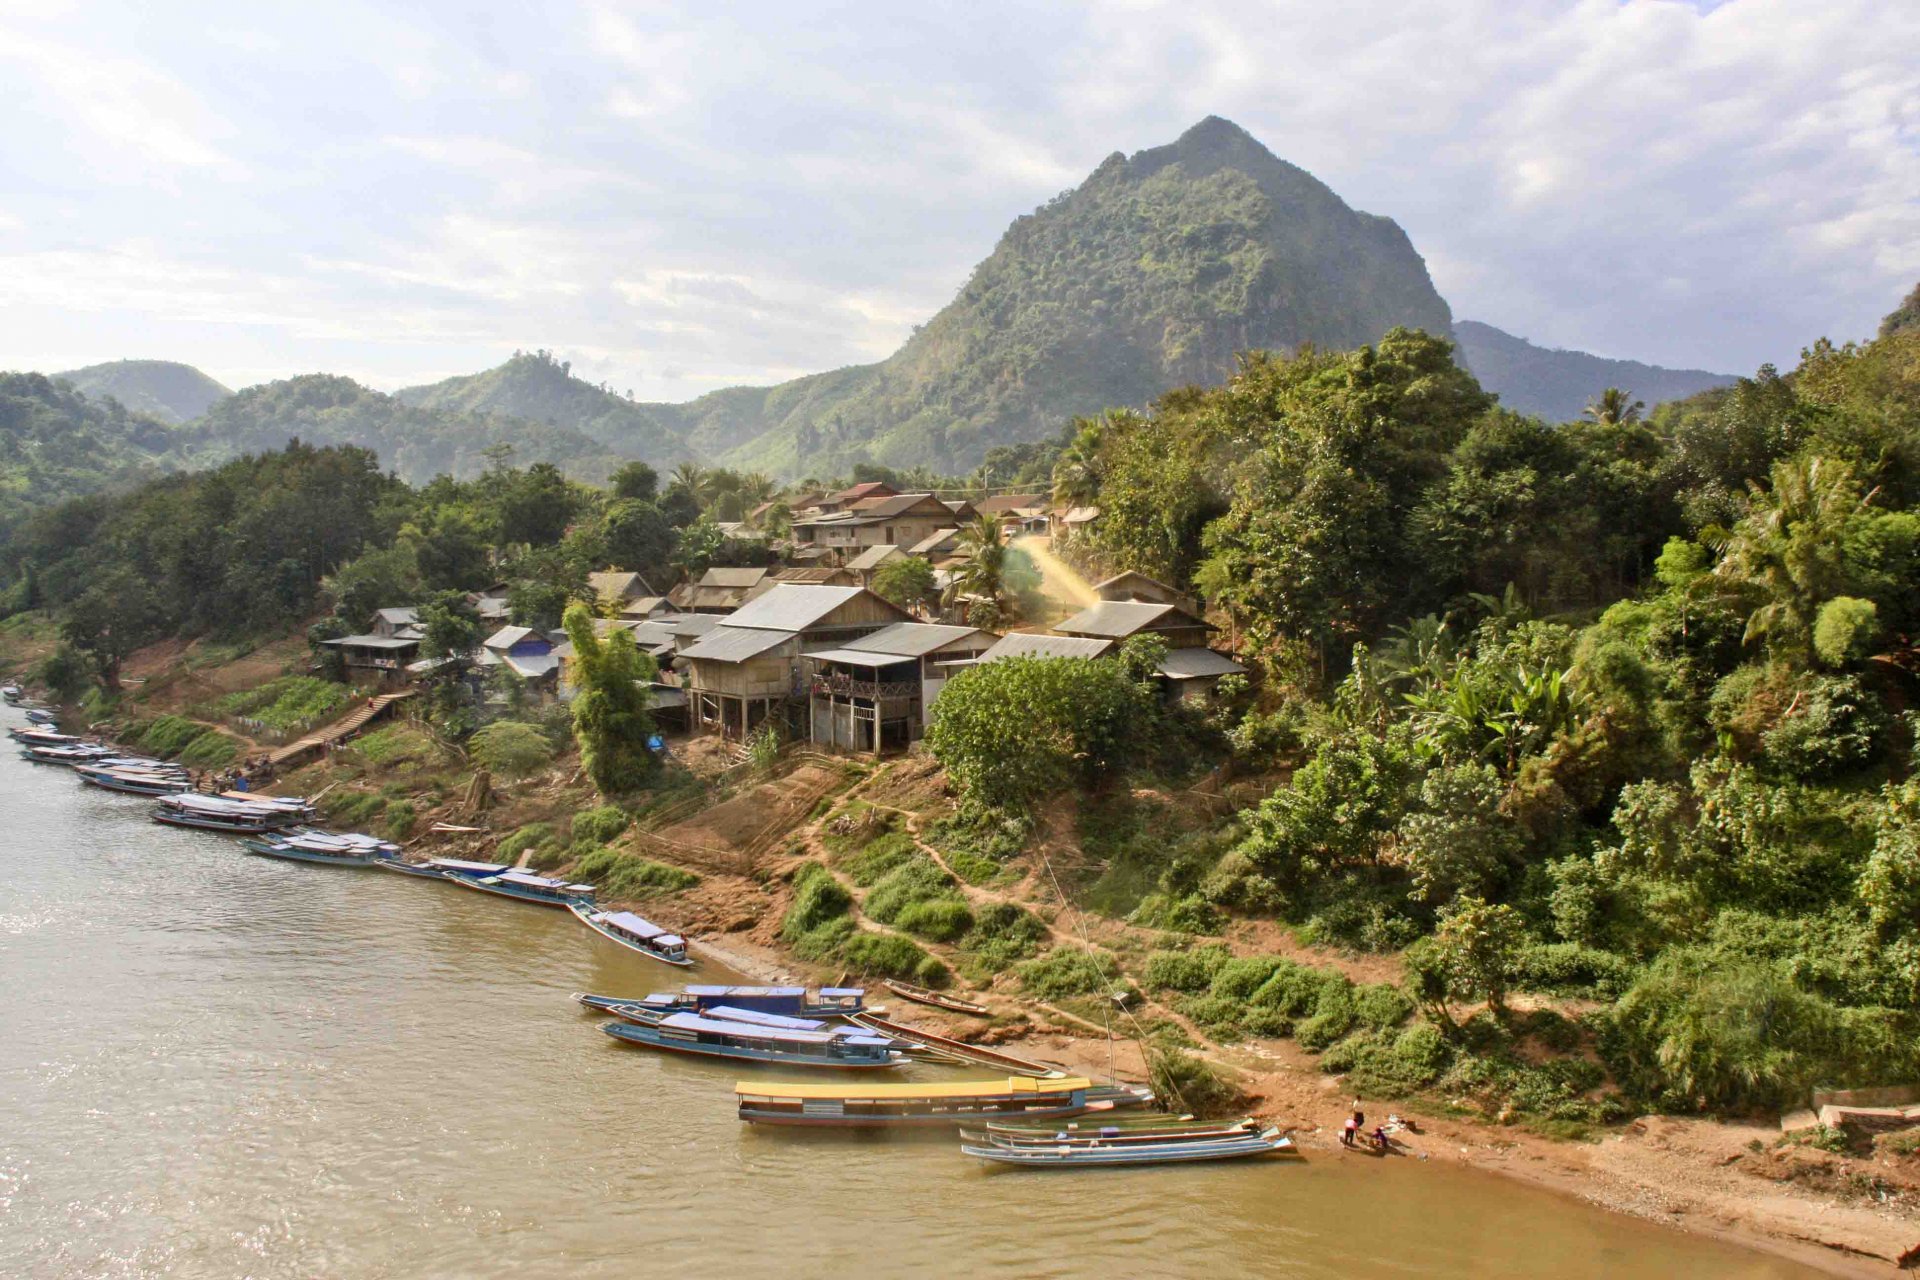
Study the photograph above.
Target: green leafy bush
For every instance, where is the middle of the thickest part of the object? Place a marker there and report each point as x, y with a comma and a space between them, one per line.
874, 860
511, 748
1189, 971
599, 826
1833, 724
287, 703
919, 879
355, 809
1069, 971
627, 875
1189, 1083
168, 736
943, 919
889, 955
211, 750
1003, 933
531, 836
400, 817
819, 918
1570, 969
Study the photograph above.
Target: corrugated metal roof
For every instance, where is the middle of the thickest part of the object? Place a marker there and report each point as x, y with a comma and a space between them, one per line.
400, 615
874, 557
912, 639
734, 644
861, 657
898, 504
689, 624
732, 577
1115, 618
792, 607
934, 541
1194, 664
1027, 644
373, 642
532, 668
507, 637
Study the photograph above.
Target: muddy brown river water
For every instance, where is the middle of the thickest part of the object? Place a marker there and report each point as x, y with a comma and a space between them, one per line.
216, 1065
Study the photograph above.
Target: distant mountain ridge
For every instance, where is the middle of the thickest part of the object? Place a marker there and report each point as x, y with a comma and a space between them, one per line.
163, 389
536, 387
1151, 274
1558, 385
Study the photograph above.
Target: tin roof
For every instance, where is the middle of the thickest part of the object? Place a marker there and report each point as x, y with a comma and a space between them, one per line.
792, 606
1194, 664
874, 557
1118, 619
732, 577
912, 639
1028, 644
734, 644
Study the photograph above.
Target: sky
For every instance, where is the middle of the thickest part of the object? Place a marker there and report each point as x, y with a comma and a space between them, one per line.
679, 197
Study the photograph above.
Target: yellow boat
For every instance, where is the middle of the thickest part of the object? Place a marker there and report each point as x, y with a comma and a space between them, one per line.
872, 1105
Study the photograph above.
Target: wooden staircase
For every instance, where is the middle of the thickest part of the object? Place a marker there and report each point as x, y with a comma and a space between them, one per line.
340, 729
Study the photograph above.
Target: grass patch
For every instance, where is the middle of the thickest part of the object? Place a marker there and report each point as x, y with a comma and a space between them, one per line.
168, 736
1069, 971
820, 917
628, 875
288, 703
400, 818
1001, 935
889, 955
211, 750
394, 745
536, 839
355, 809
599, 826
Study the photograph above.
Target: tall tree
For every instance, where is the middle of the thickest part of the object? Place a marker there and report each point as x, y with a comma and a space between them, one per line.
612, 680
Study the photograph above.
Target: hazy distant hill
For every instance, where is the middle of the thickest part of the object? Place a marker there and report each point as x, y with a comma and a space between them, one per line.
160, 389
1152, 273
56, 443
418, 443
539, 388
1558, 385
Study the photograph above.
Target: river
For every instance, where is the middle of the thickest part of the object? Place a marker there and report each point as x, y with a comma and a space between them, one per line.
216, 1065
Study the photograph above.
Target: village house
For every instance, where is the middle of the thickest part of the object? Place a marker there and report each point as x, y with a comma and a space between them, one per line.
874, 693
616, 589
846, 498
901, 520
806, 575
523, 651
1138, 586
749, 668
1189, 670
385, 651
869, 562
1034, 644
1070, 523
1016, 512
719, 590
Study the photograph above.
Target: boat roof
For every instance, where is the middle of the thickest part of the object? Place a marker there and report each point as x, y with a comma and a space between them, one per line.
910, 1092
843, 991
731, 1014
455, 864
539, 882
717, 1026
637, 925
693, 990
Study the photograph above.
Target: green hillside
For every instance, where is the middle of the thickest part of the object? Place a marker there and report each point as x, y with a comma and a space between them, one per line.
162, 389
538, 388
416, 442
1558, 385
56, 443
1152, 273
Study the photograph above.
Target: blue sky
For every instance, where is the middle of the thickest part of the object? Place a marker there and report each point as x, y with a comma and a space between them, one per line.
683, 197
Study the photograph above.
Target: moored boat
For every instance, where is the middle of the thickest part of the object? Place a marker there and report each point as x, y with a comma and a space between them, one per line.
791, 1002
1108, 1133
1067, 1155
42, 716
634, 932
215, 813
960, 1049
294, 849
134, 782
845, 1049
70, 755
443, 868
37, 737
922, 995
910, 1105
11, 692
525, 886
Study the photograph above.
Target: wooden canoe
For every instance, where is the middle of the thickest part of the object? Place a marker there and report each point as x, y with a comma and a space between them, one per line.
921, 995
960, 1048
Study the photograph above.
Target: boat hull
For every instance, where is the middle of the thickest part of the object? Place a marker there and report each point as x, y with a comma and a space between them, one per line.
260, 850
231, 828
933, 999
585, 915
652, 1038
755, 1115
408, 869
1141, 1154
507, 891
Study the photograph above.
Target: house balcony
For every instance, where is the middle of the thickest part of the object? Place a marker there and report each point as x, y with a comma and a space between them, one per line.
833, 686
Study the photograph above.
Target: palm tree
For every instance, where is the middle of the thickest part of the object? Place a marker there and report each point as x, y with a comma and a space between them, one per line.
757, 487
982, 575
1614, 408
1076, 473
1788, 546
695, 479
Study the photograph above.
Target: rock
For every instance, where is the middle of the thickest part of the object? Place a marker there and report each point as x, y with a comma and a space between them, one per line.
1795, 1121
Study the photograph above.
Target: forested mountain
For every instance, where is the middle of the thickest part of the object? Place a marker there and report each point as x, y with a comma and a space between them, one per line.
1151, 274
1558, 385
162, 389
416, 442
539, 388
55, 444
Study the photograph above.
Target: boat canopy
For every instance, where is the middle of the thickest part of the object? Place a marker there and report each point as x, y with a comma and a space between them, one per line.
731, 1014
478, 868
745, 991
912, 1092
531, 881
638, 926
709, 1026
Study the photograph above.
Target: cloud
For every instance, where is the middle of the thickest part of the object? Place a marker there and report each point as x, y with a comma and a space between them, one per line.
679, 196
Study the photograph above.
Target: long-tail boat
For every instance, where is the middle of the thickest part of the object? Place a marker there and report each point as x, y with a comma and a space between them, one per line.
653, 1015
910, 1105
320, 848
525, 886
960, 1049
42, 716
443, 868
215, 813
791, 1002
1073, 1156
635, 933
844, 1049
68, 754
1065, 1134
11, 692
921, 995
132, 781
34, 736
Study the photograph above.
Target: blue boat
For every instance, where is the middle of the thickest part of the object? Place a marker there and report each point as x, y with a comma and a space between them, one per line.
443, 868
846, 1049
294, 850
133, 782
1082, 1154
525, 886
216, 813
791, 1002
634, 932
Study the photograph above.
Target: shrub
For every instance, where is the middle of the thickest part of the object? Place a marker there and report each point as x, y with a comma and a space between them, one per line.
511, 748
170, 735
1068, 971
1390, 1065
211, 750
939, 919
400, 818
393, 745
878, 856
1833, 725
891, 956
627, 875
1381, 1006
531, 836
1003, 933
1189, 913
1239, 978
1190, 971
918, 879
599, 826
820, 903
1570, 969
1190, 1083
355, 809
